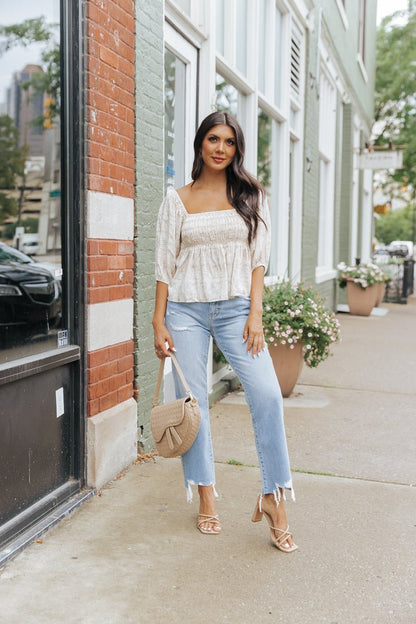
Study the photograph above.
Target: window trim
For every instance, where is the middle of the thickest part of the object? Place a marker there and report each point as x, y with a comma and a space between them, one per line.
343, 14
327, 155
362, 67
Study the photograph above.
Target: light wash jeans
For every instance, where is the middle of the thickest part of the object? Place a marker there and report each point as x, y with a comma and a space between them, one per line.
190, 325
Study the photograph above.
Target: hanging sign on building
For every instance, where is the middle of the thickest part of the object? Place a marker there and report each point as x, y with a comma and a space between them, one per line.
381, 160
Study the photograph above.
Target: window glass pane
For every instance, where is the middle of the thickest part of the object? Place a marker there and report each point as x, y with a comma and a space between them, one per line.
30, 178
266, 166
264, 150
262, 44
278, 56
228, 97
220, 26
175, 103
241, 36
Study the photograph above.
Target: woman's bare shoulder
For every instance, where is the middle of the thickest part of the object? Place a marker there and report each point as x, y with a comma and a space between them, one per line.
185, 191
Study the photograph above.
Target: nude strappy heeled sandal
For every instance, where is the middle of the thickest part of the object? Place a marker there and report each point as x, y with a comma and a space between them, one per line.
203, 519
284, 533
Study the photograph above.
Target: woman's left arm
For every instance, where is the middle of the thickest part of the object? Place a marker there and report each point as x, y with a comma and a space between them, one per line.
253, 330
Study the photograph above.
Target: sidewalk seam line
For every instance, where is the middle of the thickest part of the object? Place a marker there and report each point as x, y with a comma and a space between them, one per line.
323, 474
377, 391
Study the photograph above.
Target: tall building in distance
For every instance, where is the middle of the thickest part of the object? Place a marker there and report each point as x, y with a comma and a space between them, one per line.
24, 105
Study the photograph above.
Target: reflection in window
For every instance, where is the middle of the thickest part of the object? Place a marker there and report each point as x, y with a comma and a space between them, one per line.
175, 100
30, 179
264, 150
268, 173
227, 96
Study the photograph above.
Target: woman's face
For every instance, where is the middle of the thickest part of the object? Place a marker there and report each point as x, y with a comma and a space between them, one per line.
218, 147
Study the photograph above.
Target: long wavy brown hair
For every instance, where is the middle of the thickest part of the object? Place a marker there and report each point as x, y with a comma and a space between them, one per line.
243, 190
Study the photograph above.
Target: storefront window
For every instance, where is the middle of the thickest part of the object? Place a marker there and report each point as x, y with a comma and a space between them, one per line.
264, 150
175, 101
30, 178
228, 97
268, 172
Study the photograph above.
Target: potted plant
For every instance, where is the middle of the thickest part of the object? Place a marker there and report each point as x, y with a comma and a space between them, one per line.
382, 280
298, 328
361, 283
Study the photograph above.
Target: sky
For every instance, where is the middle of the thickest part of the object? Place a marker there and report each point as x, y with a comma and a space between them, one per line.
18, 57
387, 7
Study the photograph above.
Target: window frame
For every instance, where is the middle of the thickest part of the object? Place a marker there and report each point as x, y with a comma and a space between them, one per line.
324, 269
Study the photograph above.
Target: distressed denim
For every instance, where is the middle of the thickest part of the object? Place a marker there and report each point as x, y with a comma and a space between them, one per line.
191, 325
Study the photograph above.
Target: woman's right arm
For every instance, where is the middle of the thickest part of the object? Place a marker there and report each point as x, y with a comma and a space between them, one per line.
168, 230
161, 334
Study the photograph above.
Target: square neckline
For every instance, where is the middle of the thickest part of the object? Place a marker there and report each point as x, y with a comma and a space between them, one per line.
199, 213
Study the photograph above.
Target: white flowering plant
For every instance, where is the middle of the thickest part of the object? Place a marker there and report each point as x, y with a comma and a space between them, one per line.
364, 275
294, 313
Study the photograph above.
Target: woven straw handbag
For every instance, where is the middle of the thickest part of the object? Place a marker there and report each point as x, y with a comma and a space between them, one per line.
175, 424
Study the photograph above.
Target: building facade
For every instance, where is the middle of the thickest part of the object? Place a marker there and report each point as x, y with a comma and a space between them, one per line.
135, 79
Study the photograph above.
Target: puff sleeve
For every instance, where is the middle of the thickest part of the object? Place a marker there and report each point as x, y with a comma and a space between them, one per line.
260, 246
168, 236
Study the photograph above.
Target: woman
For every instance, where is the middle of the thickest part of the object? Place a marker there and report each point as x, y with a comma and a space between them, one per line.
212, 248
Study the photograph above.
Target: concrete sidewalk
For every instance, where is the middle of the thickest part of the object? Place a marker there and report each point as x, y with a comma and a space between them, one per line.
133, 555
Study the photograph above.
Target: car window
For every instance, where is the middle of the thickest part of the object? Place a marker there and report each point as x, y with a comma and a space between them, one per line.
7, 254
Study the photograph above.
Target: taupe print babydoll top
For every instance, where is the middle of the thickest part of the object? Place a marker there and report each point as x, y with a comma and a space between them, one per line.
206, 256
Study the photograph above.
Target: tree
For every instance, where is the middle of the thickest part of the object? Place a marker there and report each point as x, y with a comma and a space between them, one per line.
27, 32
395, 89
12, 164
37, 30
396, 225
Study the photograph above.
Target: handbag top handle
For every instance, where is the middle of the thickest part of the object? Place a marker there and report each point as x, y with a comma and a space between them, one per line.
160, 375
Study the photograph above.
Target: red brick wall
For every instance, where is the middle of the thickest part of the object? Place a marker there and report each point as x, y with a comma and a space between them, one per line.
110, 102
110, 169
110, 377
110, 270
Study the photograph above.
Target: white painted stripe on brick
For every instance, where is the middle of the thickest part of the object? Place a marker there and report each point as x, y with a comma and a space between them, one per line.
109, 323
109, 216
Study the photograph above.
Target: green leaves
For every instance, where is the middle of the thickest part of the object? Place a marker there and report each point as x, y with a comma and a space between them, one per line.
12, 164
395, 89
296, 313
397, 225
27, 32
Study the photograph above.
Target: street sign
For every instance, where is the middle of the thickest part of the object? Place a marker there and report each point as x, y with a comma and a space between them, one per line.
381, 160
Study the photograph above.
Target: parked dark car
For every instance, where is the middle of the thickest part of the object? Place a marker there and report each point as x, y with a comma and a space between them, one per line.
29, 293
